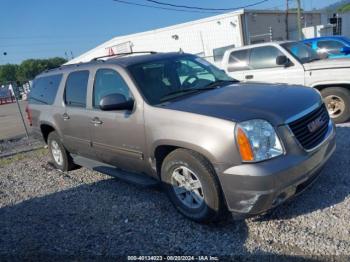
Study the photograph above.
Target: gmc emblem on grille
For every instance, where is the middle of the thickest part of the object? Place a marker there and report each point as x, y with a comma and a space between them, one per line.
316, 124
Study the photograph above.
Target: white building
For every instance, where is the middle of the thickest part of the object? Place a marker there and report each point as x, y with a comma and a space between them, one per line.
209, 37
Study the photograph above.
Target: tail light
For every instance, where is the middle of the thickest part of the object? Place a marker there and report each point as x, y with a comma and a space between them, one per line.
29, 115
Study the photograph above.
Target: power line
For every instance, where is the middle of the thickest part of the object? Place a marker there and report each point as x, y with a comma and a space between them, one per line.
52, 36
188, 9
205, 8
163, 8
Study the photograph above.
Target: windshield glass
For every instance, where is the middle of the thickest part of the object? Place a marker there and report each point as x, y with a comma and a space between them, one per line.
301, 51
166, 79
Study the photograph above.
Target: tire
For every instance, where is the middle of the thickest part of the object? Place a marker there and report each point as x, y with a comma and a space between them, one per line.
180, 161
337, 100
65, 162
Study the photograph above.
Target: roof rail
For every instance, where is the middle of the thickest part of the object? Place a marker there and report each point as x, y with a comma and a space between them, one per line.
124, 54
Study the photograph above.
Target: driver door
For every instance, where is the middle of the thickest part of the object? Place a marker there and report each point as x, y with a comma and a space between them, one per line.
264, 68
118, 136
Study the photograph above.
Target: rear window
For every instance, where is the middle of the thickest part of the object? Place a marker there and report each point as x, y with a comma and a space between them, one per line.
44, 89
76, 86
219, 52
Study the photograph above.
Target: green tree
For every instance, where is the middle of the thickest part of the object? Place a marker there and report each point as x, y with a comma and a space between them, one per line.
8, 73
28, 69
344, 8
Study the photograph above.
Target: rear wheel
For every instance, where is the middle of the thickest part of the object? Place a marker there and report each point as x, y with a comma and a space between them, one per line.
337, 100
59, 155
192, 186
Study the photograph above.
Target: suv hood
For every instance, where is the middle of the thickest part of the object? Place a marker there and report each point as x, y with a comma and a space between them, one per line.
328, 64
244, 101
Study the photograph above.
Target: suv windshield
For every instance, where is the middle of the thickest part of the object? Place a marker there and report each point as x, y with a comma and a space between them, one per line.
301, 51
166, 79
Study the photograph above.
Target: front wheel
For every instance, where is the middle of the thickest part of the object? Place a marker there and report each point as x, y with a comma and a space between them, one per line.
192, 186
337, 100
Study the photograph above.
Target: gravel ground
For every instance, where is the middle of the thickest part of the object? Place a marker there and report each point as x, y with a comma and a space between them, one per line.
85, 213
16, 145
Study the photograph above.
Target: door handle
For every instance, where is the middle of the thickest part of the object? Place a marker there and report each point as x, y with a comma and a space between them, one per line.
96, 121
65, 116
249, 77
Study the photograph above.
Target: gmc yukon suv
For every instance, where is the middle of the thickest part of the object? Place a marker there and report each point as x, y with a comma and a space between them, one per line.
294, 63
214, 144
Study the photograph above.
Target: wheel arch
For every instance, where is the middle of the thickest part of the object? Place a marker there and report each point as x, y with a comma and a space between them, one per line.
45, 129
321, 86
163, 148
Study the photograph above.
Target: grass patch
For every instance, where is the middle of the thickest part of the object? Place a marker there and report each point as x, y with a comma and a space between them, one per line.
20, 156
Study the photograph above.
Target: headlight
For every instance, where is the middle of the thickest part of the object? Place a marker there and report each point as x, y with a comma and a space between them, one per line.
257, 140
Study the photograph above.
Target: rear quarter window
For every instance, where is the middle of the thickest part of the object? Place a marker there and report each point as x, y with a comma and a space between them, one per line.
44, 89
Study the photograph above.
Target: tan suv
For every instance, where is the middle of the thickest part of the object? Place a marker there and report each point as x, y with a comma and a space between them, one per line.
214, 144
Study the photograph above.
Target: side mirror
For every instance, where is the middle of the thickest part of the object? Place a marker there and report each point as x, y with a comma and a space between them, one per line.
345, 50
115, 102
282, 60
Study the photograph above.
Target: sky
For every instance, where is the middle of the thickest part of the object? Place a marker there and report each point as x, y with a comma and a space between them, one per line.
49, 28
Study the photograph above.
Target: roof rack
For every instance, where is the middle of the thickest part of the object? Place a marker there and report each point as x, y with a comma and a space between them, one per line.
124, 54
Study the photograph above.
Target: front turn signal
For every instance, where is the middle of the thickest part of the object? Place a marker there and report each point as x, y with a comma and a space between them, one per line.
244, 146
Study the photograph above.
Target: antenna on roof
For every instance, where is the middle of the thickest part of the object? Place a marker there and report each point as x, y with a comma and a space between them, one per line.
124, 54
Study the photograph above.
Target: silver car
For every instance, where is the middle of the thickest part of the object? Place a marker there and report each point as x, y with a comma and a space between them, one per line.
215, 144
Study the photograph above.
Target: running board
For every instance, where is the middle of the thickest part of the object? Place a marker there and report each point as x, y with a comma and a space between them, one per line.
134, 178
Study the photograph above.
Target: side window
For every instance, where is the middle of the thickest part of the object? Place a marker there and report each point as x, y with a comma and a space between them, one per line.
44, 89
107, 82
264, 57
238, 60
218, 53
76, 86
330, 46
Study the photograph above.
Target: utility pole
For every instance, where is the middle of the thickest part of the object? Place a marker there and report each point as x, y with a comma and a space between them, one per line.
287, 25
299, 19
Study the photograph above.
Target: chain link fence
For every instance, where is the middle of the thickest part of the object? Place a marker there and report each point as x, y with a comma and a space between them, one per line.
13, 123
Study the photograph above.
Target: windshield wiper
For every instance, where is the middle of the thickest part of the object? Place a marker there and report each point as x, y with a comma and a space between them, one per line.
184, 91
210, 86
218, 83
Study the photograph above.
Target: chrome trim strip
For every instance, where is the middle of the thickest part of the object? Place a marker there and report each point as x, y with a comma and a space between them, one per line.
303, 113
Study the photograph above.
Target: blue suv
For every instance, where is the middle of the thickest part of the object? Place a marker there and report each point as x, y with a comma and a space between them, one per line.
333, 46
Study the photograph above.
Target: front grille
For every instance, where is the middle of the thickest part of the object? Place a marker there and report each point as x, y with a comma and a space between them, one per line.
300, 128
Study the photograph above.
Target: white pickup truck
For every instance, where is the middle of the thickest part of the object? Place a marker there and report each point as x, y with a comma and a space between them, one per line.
294, 63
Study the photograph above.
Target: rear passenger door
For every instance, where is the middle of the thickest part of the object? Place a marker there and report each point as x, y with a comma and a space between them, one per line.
118, 136
75, 124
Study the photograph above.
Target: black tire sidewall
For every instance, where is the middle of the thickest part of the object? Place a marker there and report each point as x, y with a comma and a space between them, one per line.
345, 95
211, 207
53, 136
